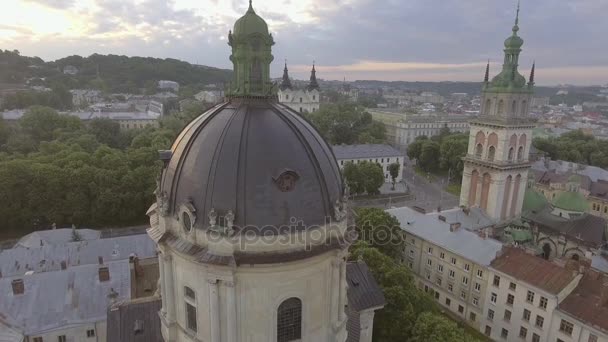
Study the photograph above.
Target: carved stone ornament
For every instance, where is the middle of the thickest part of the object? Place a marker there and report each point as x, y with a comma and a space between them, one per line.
286, 181
339, 210
162, 202
212, 217
229, 219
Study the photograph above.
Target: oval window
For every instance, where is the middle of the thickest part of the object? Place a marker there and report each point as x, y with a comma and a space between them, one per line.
186, 222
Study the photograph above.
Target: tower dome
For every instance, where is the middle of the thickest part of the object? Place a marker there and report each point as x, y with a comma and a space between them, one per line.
250, 23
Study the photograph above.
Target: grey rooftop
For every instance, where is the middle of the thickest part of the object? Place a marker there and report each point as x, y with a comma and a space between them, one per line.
461, 241
365, 151
52, 300
47, 258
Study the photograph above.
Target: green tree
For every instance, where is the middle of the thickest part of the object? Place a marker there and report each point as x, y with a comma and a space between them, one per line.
106, 131
437, 328
373, 176
42, 123
415, 148
354, 179
346, 123
380, 230
429, 154
452, 149
393, 169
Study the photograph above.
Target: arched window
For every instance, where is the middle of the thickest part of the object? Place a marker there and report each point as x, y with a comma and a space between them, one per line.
511, 151
524, 105
478, 150
190, 299
491, 153
289, 320
501, 107
520, 153
488, 106
514, 108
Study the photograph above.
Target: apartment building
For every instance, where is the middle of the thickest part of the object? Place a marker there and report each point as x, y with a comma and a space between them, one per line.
448, 261
583, 314
523, 293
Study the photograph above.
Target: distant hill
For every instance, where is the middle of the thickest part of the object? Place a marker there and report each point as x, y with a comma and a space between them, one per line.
111, 73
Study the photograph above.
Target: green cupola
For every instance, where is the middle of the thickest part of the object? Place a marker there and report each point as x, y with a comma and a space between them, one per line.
510, 79
251, 56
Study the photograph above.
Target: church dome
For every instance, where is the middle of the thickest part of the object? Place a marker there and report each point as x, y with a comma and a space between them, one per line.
250, 23
534, 201
257, 159
571, 201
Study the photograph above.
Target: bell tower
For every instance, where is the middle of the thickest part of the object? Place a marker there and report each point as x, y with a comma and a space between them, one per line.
496, 165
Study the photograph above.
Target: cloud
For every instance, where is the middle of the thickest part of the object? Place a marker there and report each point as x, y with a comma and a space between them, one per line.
57, 4
425, 39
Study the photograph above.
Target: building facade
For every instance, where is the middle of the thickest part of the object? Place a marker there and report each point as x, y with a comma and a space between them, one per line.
301, 100
384, 155
404, 132
496, 165
523, 293
448, 261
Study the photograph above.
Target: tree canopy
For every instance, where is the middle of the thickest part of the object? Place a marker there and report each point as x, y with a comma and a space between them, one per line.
108, 73
410, 314
364, 177
55, 169
575, 146
440, 153
345, 123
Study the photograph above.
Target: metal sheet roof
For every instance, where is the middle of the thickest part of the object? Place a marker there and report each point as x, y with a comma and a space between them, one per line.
56, 236
57, 299
17, 261
461, 241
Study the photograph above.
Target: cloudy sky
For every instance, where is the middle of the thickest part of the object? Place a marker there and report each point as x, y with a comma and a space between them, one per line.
413, 40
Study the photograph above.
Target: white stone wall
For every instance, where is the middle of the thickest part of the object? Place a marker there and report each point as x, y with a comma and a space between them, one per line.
240, 304
580, 332
406, 133
517, 309
383, 161
465, 301
302, 101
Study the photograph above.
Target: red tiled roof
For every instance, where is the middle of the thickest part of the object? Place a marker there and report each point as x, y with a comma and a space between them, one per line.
584, 302
533, 270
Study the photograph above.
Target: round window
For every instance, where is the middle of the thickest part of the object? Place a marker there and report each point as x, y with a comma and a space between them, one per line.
186, 222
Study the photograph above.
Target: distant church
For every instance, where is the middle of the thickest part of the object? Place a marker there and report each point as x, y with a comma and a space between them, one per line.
304, 100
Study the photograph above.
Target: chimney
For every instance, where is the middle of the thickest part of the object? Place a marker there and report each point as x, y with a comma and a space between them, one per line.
64, 265
441, 218
454, 226
419, 209
100, 259
104, 274
18, 287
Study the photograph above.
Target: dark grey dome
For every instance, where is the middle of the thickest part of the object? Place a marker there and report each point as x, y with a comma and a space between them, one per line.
257, 158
